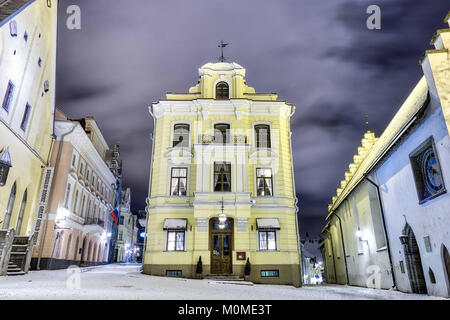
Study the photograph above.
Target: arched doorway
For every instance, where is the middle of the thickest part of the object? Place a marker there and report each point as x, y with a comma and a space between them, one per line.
446, 257
10, 206
83, 251
414, 262
21, 212
94, 255
75, 254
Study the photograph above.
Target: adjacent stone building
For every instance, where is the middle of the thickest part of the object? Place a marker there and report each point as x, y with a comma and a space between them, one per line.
389, 223
222, 182
81, 198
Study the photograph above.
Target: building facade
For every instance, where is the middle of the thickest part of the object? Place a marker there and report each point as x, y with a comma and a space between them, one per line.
81, 198
127, 230
27, 91
389, 222
222, 183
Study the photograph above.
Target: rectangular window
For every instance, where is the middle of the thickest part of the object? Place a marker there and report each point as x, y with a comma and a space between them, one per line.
178, 182
66, 201
81, 168
74, 159
120, 236
181, 135
270, 273
175, 240
222, 177
121, 220
264, 183
173, 273
262, 132
8, 96
267, 240
75, 203
13, 28
26, 115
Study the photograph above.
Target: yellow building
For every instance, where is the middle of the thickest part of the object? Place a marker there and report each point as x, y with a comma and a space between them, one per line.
221, 182
27, 93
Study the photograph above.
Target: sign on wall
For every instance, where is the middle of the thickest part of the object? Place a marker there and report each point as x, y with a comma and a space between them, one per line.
43, 200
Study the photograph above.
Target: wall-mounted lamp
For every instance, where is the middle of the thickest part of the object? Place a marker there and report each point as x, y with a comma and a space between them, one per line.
360, 235
61, 215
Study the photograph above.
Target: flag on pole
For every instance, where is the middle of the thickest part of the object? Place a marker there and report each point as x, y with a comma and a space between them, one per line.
115, 216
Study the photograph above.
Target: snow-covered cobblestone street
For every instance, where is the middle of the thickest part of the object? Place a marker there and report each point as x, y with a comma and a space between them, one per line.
125, 282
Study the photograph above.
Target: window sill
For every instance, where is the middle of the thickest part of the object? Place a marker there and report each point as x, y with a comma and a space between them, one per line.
382, 249
268, 250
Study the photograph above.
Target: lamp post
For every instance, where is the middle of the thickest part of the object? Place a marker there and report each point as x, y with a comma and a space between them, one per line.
222, 218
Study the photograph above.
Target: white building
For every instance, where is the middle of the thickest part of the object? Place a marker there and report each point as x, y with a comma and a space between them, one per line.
389, 223
127, 230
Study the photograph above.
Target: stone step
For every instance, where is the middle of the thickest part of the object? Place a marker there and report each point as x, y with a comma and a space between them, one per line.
18, 253
14, 269
18, 273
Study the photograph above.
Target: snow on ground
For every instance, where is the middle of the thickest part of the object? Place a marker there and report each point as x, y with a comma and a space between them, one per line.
125, 282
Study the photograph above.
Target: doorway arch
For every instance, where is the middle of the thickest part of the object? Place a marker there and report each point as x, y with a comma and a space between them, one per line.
446, 260
414, 262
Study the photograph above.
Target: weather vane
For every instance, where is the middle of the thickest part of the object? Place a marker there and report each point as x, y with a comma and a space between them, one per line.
221, 46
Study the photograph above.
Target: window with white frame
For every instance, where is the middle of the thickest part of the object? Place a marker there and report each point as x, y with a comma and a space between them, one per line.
74, 160
267, 239
175, 240
8, 96
75, 203
181, 135
222, 177
67, 197
264, 182
178, 182
262, 134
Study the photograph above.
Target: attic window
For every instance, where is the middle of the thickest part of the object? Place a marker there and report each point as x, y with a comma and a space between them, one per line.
222, 91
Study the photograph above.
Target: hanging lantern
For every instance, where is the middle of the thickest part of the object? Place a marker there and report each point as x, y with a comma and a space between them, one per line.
5, 164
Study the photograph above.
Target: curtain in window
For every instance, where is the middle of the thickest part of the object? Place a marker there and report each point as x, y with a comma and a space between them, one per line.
222, 177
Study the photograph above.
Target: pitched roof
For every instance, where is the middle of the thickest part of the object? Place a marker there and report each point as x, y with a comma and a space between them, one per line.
9, 7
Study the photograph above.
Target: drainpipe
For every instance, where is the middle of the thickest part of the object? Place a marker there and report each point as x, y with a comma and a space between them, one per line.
147, 200
384, 227
300, 253
343, 246
52, 189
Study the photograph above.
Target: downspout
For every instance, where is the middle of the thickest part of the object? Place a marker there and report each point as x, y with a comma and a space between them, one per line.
384, 227
147, 200
300, 253
343, 246
52, 189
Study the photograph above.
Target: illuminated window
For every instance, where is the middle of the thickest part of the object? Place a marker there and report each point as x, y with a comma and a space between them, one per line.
175, 240
264, 183
178, 182
270, 273
267, 240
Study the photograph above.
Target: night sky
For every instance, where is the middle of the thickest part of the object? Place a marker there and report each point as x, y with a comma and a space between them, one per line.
317, 55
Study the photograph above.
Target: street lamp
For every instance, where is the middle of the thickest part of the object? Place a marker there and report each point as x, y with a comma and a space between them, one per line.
222, 218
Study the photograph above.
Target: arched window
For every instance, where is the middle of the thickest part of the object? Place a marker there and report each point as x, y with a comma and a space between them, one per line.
181, 135
9, 207
222, 91
21, 212
222, 133
69, 244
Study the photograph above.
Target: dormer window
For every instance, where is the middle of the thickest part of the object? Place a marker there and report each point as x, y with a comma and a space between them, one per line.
181, 136
222, 91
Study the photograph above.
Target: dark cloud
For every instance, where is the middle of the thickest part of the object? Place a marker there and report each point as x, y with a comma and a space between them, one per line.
318, 55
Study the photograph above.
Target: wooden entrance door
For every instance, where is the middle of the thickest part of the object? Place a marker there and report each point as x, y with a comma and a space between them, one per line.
221, 248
